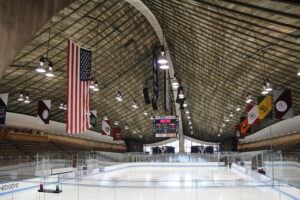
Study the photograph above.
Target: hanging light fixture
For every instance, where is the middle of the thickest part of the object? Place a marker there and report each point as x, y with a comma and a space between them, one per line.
268, 85
192, 132
298, 73
223, 124
219, 135
41, 68
116, 123
162, 58
231, 114
152, 117
61, 106
248, 98
145, 112
27, 99
185, 105
96, 89
105, 117
134, 105
190, 123
164, 66
226, 119
21, 97
175, 83
49, 71
126, 127
187, 111
92, 84
119, 96
181, 95
238, 108
191, 127
189, 117
264, 91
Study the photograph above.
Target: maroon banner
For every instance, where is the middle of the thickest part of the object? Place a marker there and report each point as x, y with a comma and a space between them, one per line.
117, 134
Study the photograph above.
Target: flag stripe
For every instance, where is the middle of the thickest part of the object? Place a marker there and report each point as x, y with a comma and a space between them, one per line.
78, 97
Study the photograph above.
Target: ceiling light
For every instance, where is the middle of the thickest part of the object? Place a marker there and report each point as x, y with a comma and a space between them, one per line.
187, 111
126, 127
92, 84
40, 68
49, 72
268, 86
189, 117
219, 135
181, 95
134, 132
61, 106
185, 105
134, 105
223, 124
264, 91
21, 97
162, 59
238, 108
192, 132
191, 127
105, 117
227, 119
175, 83
152, 117
190, 122
164, 66
119, 96
96, 88
298, 73
65, 107
145, 113
116, 123
27, 99
231, 114
248, 98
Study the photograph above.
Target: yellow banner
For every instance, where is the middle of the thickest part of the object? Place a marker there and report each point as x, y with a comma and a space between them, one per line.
265, 107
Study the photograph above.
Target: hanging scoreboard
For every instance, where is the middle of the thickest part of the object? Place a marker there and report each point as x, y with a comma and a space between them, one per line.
165, 126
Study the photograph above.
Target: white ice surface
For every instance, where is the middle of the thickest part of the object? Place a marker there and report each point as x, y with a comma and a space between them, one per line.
160, 183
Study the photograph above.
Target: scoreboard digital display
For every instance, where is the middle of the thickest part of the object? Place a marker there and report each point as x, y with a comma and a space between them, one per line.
165, 126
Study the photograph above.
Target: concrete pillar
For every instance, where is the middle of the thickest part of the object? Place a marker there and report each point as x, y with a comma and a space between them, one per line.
19, 21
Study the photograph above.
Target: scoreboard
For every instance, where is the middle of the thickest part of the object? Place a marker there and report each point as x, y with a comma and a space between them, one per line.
165, 126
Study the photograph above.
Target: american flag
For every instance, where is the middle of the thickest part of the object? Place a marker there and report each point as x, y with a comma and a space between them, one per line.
78, 83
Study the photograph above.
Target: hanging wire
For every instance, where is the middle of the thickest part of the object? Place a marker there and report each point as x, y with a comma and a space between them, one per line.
62, 24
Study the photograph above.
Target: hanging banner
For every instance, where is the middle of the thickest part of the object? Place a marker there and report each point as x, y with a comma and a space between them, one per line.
283, 104
253, 114
105, 127
166, 91
244, 126
3, 107
264, 107
117, 134
93, 118
155, 83
43, 115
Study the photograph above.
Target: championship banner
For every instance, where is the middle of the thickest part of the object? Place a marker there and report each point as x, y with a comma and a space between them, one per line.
117, 134
283, 104
3, 107
253, 114
93, 118
244, 126
105, 127
264, 107
155, 82
43, 115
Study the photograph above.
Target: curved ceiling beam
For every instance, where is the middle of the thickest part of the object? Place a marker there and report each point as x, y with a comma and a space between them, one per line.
139, 5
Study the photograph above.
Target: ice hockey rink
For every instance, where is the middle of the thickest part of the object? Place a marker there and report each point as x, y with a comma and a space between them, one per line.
163, 182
